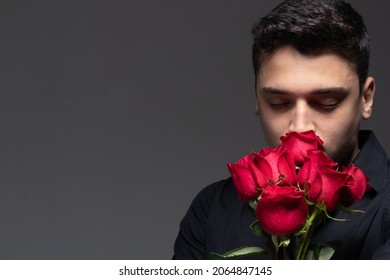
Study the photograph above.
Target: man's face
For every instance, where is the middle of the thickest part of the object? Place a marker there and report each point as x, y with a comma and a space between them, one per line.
296, 92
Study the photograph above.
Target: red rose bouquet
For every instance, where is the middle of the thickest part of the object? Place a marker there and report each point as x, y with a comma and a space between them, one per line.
292, 189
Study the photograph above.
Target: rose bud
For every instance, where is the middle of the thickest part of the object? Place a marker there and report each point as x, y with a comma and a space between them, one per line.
275, 166
356, 186
298, 144
244, 181
282, 210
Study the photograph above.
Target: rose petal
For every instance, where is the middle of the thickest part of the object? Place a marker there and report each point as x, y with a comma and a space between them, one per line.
282, 210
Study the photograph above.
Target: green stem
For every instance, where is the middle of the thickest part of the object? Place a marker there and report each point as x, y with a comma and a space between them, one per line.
303, 247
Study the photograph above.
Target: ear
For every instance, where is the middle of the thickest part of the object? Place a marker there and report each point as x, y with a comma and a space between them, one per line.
368, 97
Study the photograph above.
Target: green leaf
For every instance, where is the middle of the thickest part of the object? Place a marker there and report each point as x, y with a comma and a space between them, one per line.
253, 204
256, 229
321, 206
323, 250
275, 242
238, 253
335, 219
325, 253
308, 202
284, 243
310, 255
348, 210
321, 253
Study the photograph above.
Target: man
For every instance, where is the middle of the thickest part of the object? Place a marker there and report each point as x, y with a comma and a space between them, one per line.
311, 60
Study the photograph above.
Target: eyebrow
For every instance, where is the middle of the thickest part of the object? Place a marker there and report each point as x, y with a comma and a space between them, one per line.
330, 90
335, 90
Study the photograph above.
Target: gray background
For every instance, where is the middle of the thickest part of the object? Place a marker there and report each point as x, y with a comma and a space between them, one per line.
114, 114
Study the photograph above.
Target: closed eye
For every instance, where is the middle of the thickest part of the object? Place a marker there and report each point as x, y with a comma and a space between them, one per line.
279, 105
327, 107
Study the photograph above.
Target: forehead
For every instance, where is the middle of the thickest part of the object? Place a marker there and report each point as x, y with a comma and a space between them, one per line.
287, 67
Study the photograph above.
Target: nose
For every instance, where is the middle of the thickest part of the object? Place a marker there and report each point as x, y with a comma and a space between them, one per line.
301, 117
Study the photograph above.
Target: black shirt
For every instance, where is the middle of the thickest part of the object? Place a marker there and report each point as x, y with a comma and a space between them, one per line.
217, 221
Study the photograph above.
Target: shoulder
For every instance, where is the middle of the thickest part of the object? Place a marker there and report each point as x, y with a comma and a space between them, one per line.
191, 240
215, 196
222, 191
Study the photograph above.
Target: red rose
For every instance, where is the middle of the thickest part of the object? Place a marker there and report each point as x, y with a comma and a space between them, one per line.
326, 184
309, 168
284, 194
275, 165
357, 185
254, 172
282, 210
299, 143
323, 182
243, 178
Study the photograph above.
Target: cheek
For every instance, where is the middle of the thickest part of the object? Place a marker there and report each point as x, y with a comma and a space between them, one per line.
273, 128
339, 135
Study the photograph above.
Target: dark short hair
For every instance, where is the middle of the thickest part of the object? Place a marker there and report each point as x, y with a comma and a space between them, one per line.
314, 27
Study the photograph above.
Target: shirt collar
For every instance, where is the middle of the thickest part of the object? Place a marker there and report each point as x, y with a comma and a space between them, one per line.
372, 160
